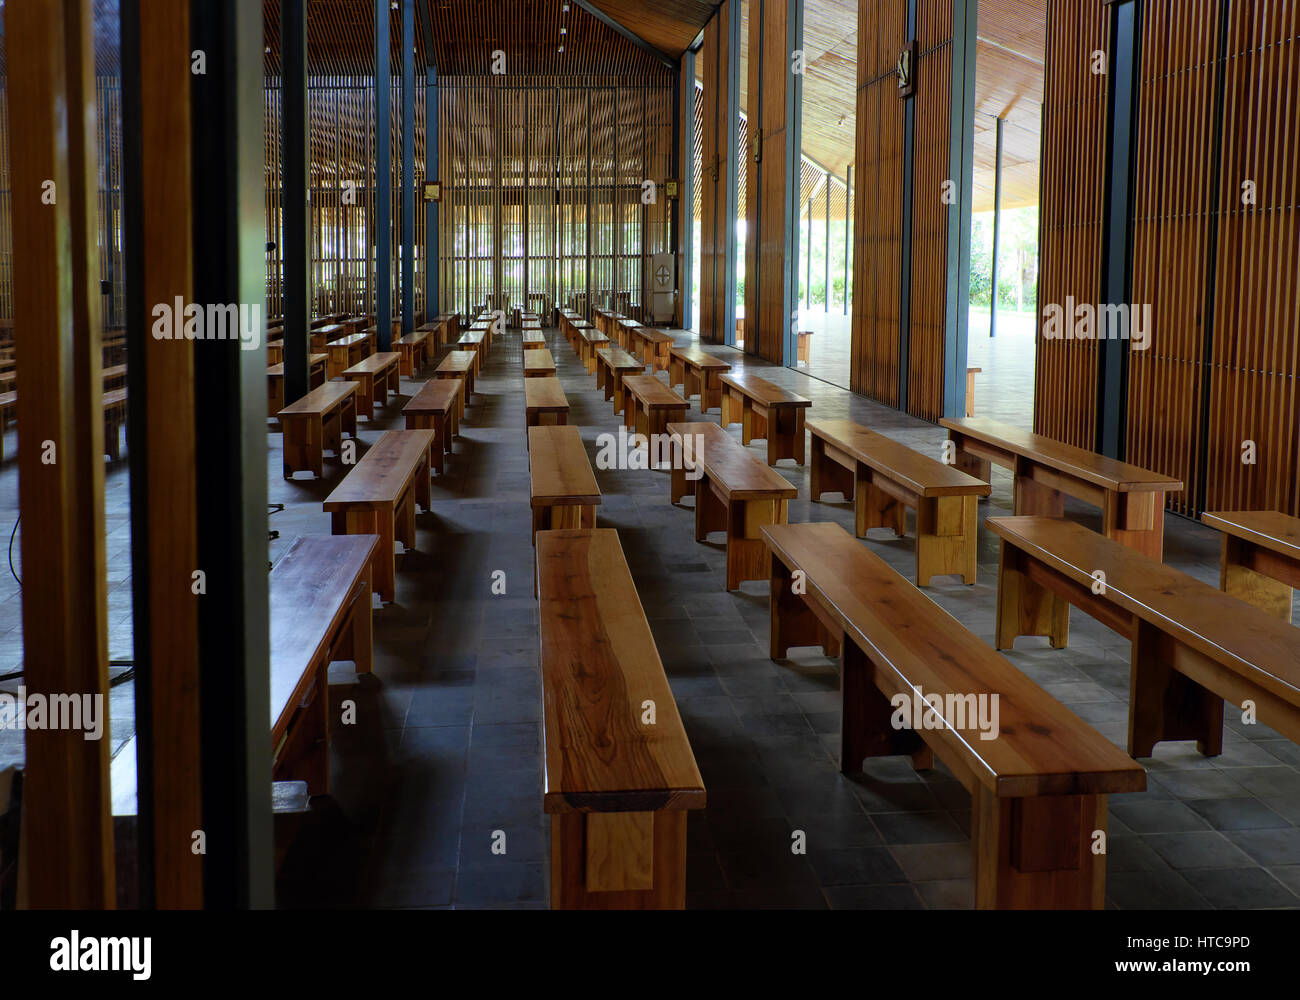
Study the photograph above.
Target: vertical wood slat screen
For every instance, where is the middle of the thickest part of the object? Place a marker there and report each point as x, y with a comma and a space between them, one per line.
1172, 184
878, 218
1070, 214
925, 365
713, 176
1255, 357
6, 218
576, 155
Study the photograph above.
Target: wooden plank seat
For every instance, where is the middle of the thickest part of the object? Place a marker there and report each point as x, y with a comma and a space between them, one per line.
322, 335
884, 477
1192, 645
652, 345
613, 364
538, 364
616, 787
623, 330
533, 340
970, 390
765, 411
275, 381
1037, 774
588, 342
436, 407
735, 493
379, 495
376, 376
544, 402
563, 491
686, 444
1260, 559
436, 331
475, 341
458, 365
114, 378
414, 351
1132, 500
699, 373
451, 330
316, 423
320, 612
649, 406
114, 406
346, 352
575, 330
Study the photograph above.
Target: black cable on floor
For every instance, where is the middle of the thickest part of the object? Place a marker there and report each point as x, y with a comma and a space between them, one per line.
12, 535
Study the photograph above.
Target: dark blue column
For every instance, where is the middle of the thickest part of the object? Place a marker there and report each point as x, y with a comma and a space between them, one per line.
383, 180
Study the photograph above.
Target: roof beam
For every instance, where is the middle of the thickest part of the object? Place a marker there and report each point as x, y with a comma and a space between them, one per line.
635, 39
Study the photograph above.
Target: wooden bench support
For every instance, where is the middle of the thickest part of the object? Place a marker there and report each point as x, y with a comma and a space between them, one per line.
618, 861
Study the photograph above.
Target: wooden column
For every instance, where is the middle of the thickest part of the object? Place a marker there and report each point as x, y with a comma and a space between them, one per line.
775, 170
383, 179
295, 235
718, 175
408, 166
67, 827
685, 204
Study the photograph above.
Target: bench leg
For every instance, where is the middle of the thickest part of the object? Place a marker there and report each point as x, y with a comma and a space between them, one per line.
384, 561
874, 508
1236, 577
973, 465
1025, 607
793, 623
1136, 520
746, 550
1034, 498
618, 861
710, 510
1165, 704
946, 541
825, 475
866, 727
304, 756
1036, 853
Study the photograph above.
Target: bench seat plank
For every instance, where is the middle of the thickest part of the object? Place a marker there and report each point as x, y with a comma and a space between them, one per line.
316, 423
544, 402
612, 365
376, 376
765, 411
458, 365
538, 363
698, 373
1260, 561
436, 407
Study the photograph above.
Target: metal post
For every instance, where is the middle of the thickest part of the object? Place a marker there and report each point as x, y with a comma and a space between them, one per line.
408, 166
295, 197
383, 180
961, 167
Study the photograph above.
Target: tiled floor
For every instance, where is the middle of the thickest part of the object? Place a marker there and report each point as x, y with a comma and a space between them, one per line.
445, 755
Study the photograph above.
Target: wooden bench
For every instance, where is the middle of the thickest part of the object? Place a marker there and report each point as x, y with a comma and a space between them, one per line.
275, 381
764, 410
687, 441
274, 351
544, 402
884, 478
475, 341
376, 376
588, 342
1038, 776
114, 378
414, 351
970, 390
1192, 645
436, 407
575, 331
533, 340
616, 788
1132, 500
114, 405
699, 373
563, 490
320, 612
379, 495
451, 327
649, 406
346, 352
538, 364
736, 494
652, 345
803, 347
317, 423
1260, 561
323, 334
613, 364
458, 365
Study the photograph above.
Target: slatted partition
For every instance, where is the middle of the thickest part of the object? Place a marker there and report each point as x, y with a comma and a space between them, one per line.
929, 213
713, 181
1172, 187
1255, 361
878, 217
1070, 214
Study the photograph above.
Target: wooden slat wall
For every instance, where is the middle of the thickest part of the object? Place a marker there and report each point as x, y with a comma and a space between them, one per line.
1255, 361
1172, 187
929, 213
1070, 214
877, 219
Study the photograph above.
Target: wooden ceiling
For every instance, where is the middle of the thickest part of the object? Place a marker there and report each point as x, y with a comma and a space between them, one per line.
669, 25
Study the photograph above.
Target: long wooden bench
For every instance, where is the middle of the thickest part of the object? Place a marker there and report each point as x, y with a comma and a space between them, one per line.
475, 341
562, 488
588, 343
765, 411
376, 376
320, 612
698, 373
414, 351
460, 366
735, 493
649, 406
316, 423
1037, 774
687, 441
618, 782
1132, 500
883, 478
538, 364
1260, 561
436, 407
533, 340
1192, 645
576, 330
275, 381
613, 364
544, 402
652, 345
322, 335
346, 352
379, 496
